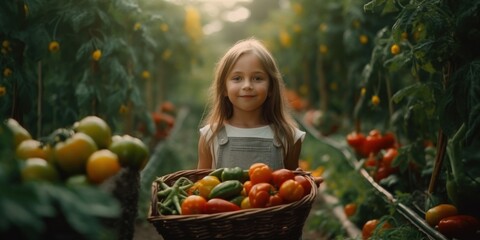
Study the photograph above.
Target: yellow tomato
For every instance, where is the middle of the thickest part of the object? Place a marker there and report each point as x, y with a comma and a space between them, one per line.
97, 129
37, 169
31, 148
102, 165
436, 213
54, 46
19, 133
395, 49
71, 155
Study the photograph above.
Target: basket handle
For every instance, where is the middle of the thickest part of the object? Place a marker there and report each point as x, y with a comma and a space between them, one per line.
317, 180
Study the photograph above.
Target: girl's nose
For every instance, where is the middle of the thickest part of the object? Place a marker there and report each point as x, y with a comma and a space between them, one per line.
247, 84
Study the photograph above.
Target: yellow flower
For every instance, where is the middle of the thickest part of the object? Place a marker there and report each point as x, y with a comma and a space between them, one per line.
323, 27
97, 54
3, 91
193, 26
297, 8
137, 26
123, 109
54, 46
363, 39
323, 49
164, 27
375, 100
7, 72
166, 54
146, 74
285, 39
363, 91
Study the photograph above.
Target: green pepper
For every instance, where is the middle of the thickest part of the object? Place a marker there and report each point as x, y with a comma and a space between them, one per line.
217, 173
235, 173
226, 189
237, 200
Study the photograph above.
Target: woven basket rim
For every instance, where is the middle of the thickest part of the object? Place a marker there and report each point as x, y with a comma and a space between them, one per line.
153, 216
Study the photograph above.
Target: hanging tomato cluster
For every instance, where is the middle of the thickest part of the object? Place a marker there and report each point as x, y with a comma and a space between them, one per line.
372, 143
232, 189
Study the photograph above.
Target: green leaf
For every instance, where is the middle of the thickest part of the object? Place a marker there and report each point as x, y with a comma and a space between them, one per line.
81, 19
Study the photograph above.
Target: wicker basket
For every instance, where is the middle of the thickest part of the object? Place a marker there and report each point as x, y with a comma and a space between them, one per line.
279, 222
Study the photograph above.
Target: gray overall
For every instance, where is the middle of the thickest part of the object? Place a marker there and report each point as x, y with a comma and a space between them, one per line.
244, 151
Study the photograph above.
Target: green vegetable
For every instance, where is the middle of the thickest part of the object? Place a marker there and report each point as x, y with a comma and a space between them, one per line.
226, 189
237, 200
235, 173
170, 198
217, 173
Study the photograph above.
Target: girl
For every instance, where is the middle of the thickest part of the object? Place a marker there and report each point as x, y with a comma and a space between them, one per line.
248, 121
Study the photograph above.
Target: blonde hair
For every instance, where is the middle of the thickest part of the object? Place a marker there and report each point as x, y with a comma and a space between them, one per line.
275, 107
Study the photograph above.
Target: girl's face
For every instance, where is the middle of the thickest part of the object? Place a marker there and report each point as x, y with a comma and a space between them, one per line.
247, 84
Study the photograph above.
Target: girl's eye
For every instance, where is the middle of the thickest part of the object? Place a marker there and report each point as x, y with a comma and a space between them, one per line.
236, 78
258, 78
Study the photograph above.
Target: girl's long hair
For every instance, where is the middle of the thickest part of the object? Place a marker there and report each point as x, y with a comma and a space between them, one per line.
275, 108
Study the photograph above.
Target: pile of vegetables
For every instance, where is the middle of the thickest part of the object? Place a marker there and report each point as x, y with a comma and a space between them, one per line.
232, 189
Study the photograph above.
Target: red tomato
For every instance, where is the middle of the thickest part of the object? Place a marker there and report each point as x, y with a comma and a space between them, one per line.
260, 194
260, 172
381, 173
350, 209
370, 226
438, 212
247, 186
388, 140
371, 161
194, 204
389, 156
307, 187
291, 191
281, 175
373, 142
218, 205
355, 139
459, 226
274, 200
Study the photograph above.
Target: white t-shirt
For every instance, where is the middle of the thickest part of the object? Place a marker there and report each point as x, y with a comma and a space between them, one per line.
258, 132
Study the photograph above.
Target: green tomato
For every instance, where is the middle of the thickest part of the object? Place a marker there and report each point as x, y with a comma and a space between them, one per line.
131, 151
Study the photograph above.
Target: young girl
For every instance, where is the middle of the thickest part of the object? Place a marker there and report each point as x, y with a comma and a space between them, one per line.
248, 121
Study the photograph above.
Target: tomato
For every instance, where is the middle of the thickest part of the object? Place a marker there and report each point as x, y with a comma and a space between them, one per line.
72, 154
459, 227
371, 161
350, 209
260, 172
355, 139
102, 165
19, 133
370, 226
389, 156
247, 186
373, 142
194, 204
291, 191
131, 151
274, 200
307, 187
388, 140
38, 169
436, 213
281, 175
31, 148
218, 205
260, 194
204, 186
97, 129
245, 203
96, 55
